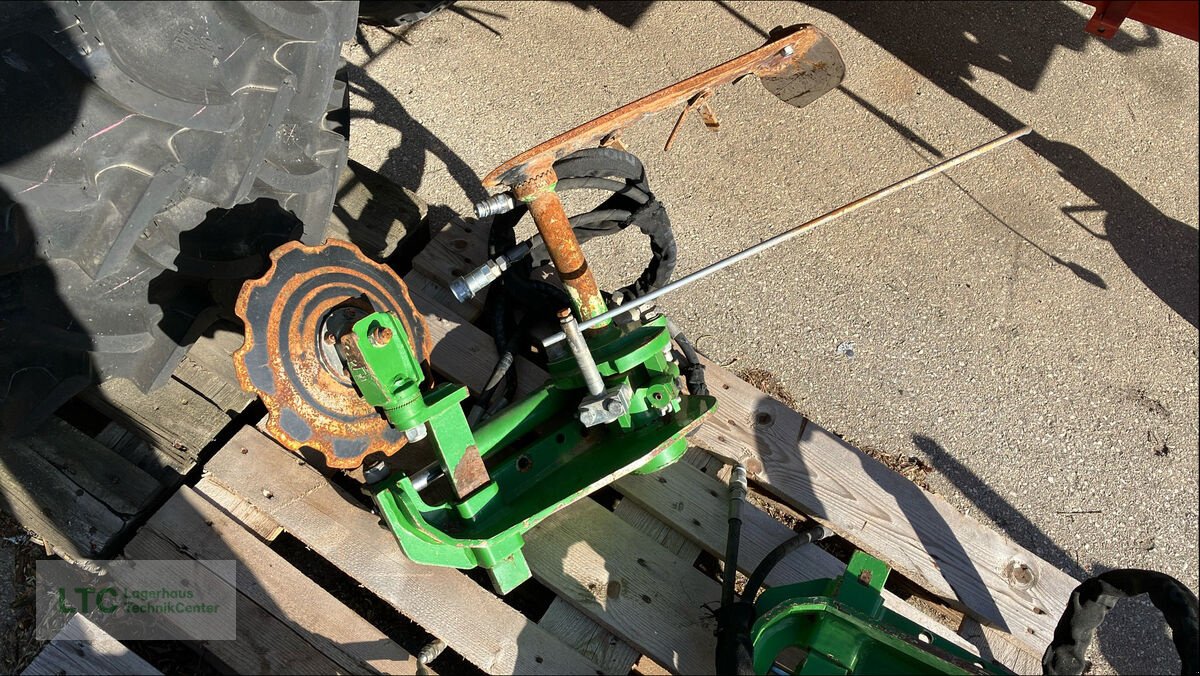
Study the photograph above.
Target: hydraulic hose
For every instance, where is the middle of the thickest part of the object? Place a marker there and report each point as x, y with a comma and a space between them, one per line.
735, 650
631, 203
691, 367
732, 617
763, 569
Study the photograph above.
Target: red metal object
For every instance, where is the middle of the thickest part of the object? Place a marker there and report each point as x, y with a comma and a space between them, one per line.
1181, 17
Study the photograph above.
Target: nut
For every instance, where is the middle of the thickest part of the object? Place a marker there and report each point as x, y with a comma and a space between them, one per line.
380, 336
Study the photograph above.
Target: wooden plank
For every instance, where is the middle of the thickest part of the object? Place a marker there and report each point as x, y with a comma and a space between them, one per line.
138, 451
208, 369
696, 504
263, 644
179, 419
470, 619
201, 530
174, 418
652, 527
81, 647
594, 642
419, 283
1001, 647
42, 499
953, 556
251, 517
966, 564
626, 582
585, 634
106, 476
456, 249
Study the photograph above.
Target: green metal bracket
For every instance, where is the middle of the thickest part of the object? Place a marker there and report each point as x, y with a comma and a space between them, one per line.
840, 626
387, 373
530, 460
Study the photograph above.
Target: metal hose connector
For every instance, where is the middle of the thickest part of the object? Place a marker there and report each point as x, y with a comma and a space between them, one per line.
494, 205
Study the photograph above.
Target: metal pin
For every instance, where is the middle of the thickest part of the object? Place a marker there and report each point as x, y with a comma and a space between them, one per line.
579, 350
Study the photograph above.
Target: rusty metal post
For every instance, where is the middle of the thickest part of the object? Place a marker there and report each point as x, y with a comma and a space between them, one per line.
547, 211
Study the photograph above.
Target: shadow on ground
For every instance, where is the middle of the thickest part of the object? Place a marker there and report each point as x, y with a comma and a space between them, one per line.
944, 42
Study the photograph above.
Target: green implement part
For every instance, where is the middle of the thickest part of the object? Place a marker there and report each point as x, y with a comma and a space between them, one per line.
529, 460
840, 626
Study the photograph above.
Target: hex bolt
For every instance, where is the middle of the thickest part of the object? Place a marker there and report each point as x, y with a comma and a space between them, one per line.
380, 336
613, 406
415, 434
787, 51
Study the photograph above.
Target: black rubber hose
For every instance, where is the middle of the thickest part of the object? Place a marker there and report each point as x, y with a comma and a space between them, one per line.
735, 650
733, 619
690, 365
602, 162
630, 203
763, 569
1092, 600
503, 373
614, 186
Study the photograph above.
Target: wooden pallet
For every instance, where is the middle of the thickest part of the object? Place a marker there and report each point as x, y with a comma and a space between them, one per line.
626, 581
83, 648
627, 588
82, 492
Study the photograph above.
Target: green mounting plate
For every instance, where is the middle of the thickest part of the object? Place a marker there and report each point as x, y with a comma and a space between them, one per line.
530, 460
839, 626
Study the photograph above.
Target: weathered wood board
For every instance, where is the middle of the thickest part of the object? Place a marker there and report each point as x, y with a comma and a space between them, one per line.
81, 647
286, 622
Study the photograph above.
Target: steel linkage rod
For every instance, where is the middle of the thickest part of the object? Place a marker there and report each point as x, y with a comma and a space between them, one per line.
797, 231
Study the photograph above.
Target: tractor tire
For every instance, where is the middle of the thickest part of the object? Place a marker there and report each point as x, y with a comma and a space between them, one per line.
152, 152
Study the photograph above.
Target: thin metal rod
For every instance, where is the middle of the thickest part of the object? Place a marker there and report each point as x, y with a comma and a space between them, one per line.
579, 350
797, 231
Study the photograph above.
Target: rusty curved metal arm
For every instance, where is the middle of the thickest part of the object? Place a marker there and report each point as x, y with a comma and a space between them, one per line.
792, 57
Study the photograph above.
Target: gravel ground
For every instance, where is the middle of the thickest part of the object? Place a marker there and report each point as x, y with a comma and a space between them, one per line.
1026, 325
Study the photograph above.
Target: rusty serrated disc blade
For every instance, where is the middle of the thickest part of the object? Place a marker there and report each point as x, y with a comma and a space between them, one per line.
309, 406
